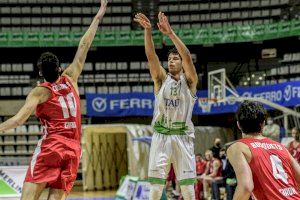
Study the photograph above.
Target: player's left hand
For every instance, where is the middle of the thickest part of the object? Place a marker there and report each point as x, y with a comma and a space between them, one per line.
102, 9
163, 24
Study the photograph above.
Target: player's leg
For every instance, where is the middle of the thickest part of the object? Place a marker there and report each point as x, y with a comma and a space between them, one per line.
183, 158
206, 183
156, 191
32, 191
57, 194
159, 164
215, 188
69, 166
188, 191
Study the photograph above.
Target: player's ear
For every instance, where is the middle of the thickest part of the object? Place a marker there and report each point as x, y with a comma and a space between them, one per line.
262, 125
238, 125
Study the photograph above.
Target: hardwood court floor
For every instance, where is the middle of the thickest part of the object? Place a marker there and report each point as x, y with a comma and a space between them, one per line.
80, 195
92, 194
88, 195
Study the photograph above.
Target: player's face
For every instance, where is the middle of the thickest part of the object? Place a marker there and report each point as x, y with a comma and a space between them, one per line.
222, 153
208, 155
198, 158
294, 132
174, 64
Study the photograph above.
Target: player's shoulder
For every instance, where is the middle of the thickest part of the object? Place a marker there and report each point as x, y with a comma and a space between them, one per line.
237, 146
40, 92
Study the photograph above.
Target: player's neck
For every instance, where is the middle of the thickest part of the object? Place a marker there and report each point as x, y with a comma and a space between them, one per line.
176, 77
57, 80
254, 135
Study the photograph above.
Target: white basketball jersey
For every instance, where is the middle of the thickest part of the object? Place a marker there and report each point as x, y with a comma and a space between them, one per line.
173, 108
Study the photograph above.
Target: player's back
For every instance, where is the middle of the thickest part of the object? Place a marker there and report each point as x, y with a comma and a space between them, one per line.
272, 171
60, 114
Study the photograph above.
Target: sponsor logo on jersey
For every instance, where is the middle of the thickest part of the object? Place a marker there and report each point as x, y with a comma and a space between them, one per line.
173, 103
288, 191
70, 125
59, 87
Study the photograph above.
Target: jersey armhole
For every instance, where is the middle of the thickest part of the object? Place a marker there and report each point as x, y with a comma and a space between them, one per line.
163, 82
69, 80
251, 160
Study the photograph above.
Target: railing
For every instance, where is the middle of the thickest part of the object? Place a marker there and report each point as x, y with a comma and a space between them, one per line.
201, 36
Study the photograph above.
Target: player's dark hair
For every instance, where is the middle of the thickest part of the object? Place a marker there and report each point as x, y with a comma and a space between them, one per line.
174, 51
199, 154
251, 116
48, 65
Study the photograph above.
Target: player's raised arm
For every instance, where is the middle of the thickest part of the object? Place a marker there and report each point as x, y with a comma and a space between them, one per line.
296, 169
242, 170
36, 96
187, 62
157, 72
75, 68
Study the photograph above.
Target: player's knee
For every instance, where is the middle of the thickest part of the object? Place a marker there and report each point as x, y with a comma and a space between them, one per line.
56, 194
156, 191
188, 191
32, 191
28, 195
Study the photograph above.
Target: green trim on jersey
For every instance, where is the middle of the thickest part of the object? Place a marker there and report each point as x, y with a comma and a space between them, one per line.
159, 181
189, 181
179, 128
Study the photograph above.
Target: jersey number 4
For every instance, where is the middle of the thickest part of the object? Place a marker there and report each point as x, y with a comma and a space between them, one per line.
69, 107
278, 171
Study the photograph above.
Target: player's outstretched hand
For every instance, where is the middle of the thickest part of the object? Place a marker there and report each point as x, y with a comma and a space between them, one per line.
102, 9
142, 20
163, 24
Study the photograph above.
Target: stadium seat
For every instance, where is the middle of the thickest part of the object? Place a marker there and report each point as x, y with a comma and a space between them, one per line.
9, 149
21, 149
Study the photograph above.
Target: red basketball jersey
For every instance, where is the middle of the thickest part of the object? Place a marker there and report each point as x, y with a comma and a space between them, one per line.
211, 167
60, 114
200, 167
272, 171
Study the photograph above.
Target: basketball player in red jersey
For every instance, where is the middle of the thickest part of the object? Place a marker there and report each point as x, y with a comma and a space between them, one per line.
56, 159
263, 167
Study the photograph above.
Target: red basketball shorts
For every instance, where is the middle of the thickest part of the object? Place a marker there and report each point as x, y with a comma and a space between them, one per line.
55, 162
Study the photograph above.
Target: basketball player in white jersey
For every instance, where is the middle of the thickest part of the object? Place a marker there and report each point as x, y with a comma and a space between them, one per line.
175, 90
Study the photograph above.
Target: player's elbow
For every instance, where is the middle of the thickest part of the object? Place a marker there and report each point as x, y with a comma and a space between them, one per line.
78, 63
21, 117
85, 42
247, 187
151, 56
187, 59
17, 121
